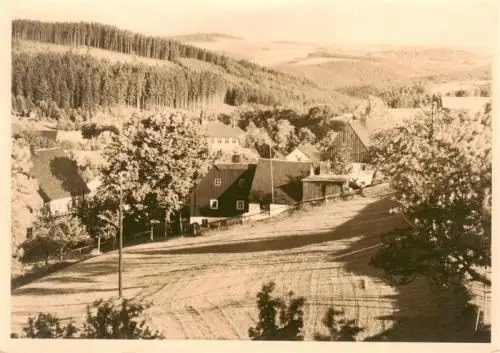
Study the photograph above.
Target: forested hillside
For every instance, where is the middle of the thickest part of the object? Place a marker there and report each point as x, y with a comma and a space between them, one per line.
76, 81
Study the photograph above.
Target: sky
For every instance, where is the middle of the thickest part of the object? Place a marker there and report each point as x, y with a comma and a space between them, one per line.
454, 23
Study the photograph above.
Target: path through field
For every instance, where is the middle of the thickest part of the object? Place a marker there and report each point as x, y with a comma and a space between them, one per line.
205, 287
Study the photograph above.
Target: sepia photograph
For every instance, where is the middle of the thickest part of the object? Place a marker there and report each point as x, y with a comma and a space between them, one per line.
279, 170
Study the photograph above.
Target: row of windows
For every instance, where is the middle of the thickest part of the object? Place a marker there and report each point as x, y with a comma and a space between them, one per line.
240, 205
225, 140
218, 182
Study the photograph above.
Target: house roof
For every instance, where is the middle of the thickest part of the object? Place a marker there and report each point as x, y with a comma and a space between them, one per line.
310, 151
219, 129
231, 166
362, 131
389, 119
330, 178
287, 176
57, 175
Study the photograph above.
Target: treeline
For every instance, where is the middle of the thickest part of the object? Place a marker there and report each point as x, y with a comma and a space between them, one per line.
111, 38
407, 96
286, 128
75, 81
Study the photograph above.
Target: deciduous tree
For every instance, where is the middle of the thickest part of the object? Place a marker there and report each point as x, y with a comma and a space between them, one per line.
160, 157
440, 168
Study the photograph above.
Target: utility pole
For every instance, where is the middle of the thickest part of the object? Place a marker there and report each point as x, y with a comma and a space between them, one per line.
120, 243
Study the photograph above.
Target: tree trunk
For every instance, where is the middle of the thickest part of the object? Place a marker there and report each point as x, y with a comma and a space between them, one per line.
180, 223
151, 236
60, 255
98, 245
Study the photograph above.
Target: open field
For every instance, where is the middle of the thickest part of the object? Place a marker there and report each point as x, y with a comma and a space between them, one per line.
30, 46
204, 288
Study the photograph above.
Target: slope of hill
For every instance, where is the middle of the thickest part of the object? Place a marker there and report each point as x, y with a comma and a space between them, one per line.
337, 72
336, 66
250, 82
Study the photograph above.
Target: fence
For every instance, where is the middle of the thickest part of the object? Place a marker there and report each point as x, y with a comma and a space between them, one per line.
84, 252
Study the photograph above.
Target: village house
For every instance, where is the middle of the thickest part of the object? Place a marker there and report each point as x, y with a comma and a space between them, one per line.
321, 187
222, 138
222, 193
304, 153
235, 189
61, 186
356, 137
276, 185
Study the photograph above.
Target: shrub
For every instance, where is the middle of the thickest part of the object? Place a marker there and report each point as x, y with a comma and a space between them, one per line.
117, 322
338, 330
290, 317
104, 320
48, 326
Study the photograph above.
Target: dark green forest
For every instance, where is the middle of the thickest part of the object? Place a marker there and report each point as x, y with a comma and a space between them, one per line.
76, 81
84, 82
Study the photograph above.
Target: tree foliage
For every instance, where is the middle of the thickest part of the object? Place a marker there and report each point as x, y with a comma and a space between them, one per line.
25, 200
48, 326
440, 168
337, 157
52, 235
159, 158
98, 213
338, 329
104, 320
278, 320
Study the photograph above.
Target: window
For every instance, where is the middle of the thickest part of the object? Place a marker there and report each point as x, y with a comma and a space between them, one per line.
241, 183
217, 182
363, 167
240, 205
225, 140
214, 204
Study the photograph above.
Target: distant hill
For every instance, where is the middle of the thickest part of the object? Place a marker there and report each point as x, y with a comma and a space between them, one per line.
334, 66
337, 72
203, 37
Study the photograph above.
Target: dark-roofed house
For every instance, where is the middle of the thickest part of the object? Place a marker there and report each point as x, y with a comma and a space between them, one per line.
222, 193
304, 153
278, 178
60, 184
222, 137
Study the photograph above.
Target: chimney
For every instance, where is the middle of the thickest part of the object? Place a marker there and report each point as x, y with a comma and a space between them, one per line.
32, 150
311, 170
236, 158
